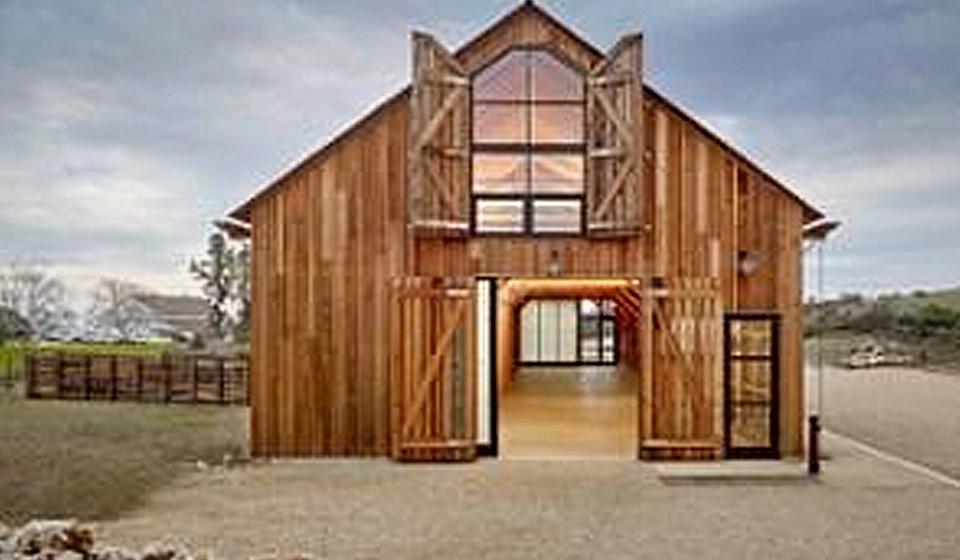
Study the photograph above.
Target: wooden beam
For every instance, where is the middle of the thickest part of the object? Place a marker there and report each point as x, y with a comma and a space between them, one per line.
615, 189
433, 367
449, 102
442, 187
621, 126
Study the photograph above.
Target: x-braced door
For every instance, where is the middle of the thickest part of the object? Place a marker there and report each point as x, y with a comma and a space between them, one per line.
751, 403
433, 369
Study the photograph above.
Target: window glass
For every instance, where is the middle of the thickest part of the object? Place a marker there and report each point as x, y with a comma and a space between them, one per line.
500, 123
499, 216
589, 308
528, 134
505, 79
530, 332
551, 79
568, 331
608, 308
557, 124
557, 173
556, 216
608, 341
500, 173
549, 331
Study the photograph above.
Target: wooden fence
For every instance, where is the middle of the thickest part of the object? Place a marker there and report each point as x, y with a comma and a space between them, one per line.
164, 379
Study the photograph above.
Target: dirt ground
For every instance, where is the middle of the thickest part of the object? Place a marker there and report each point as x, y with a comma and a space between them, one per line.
861, 508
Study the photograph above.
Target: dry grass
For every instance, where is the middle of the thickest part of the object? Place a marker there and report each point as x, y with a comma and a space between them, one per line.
97, 460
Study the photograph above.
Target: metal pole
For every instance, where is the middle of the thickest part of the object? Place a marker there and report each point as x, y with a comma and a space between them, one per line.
813, 448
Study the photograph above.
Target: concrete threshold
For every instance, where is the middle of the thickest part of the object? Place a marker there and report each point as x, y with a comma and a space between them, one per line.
733, 472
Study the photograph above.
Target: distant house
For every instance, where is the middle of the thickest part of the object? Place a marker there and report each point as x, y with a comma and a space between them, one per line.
13, 325
174, 318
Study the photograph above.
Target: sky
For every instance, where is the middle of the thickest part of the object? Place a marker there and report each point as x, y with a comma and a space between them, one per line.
127, 127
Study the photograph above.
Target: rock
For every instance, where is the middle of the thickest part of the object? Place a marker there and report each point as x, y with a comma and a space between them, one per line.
202, 465
113, 553
165, 551
52, 536
4, 531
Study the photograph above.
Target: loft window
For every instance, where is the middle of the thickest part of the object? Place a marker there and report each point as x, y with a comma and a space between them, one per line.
528, 146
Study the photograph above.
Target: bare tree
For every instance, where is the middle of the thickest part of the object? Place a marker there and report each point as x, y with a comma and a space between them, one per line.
35, 295
115, 309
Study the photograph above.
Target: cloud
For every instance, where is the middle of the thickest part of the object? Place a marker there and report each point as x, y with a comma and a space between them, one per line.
127, 127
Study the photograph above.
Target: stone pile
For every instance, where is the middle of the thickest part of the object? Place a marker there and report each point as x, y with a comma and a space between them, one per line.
69, 540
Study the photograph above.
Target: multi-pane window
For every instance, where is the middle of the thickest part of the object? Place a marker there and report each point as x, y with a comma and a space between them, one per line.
528, 145
568, 332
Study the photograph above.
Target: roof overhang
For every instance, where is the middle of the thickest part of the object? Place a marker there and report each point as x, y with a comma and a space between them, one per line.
235, 229
820, 230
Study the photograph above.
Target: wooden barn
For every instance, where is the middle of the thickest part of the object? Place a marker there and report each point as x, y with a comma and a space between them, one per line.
528, 250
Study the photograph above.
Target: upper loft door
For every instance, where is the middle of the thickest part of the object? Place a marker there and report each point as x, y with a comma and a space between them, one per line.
615, 140
439, 145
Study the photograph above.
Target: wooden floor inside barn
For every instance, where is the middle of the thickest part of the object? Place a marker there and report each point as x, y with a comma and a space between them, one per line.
570, 412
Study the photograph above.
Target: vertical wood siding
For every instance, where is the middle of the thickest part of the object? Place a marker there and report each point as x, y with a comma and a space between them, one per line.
329, 238
325, 245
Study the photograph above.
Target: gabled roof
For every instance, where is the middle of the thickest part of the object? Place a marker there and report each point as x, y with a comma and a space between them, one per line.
242, 213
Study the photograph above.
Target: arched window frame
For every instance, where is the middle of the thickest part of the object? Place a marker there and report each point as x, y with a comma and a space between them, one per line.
529, 200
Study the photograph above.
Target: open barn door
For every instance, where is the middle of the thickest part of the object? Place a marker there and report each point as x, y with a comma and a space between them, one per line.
615, 139
439, 151
682, 408
433, 369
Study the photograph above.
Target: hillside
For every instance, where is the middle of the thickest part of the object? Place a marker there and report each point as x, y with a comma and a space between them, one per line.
923, 325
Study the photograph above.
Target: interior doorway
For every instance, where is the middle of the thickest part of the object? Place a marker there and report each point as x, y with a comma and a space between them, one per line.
563, 391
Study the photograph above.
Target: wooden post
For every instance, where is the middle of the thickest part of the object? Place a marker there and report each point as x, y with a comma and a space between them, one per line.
30, 375
196, 381
222, 380
113, 377
167, 370
86, 375
139, 378
60, 375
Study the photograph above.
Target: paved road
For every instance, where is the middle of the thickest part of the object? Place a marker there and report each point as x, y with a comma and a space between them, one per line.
909, 413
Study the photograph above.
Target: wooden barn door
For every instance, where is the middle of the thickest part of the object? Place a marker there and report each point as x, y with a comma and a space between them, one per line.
439, 150
615, 139
682, 408
433, 369
751, 407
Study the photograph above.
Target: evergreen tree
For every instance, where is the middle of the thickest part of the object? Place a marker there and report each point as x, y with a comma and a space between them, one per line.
215, 273
241, 293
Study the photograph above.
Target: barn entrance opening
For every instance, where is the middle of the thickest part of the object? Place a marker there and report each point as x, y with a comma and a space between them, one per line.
566, 389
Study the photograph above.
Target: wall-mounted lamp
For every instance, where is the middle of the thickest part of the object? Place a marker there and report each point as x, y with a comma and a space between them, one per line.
747, 262
553, 267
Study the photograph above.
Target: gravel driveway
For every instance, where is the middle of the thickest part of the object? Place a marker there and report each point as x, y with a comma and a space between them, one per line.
862, 508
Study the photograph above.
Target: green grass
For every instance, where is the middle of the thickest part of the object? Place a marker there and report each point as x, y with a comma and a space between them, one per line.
123, 349
97, 460
12, 353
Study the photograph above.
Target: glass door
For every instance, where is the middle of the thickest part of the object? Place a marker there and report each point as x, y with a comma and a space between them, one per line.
751, 396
